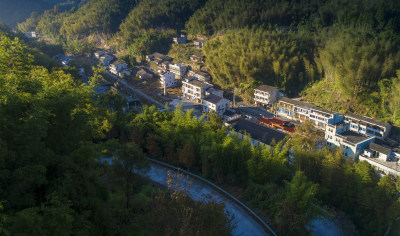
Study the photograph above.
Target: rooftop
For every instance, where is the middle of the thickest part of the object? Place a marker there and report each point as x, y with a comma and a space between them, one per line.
366, 119
389, 164
353, 137
229, 113
379, 148
266, 88
197, 83
202, 73
305, 104
214, 99
259, 132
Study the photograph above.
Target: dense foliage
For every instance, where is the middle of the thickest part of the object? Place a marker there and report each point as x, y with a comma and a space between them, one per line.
52, 178
153, 13
360, 73
247, 57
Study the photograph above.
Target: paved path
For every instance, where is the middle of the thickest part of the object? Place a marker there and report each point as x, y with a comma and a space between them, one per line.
245, 223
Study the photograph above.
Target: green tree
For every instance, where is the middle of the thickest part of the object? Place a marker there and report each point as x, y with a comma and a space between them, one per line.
187, 155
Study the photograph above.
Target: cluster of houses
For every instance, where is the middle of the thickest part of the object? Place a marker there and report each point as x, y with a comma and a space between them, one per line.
109, 61
360, 137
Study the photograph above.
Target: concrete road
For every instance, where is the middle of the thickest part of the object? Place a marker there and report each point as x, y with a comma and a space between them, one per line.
245, 224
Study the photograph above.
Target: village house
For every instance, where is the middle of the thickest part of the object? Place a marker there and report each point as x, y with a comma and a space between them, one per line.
215, 103
383, 158
106, 59
199, 43
180, 39
118, 67
179, 69
98, 54
265, 95
303, 111
352, 143
31, 34
367, 125
200, 75
194, 89
168, 79
142, 74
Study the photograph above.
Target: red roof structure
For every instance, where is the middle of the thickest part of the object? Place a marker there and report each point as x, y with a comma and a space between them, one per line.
276, 123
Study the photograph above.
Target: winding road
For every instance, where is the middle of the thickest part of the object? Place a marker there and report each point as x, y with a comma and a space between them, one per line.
198, 188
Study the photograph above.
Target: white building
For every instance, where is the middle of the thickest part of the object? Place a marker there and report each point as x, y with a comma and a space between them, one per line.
265, 95
169, 79
367, 125
194, 89
352, 143
382, 158
98, 54
106, 59
215, 103
303, 111
117, 67
180, 39
179, 69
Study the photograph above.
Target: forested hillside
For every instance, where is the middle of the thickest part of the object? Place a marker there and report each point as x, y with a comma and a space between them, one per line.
341, 54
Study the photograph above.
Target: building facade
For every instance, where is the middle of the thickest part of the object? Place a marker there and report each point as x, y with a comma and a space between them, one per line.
303, 111
179, 69
180, 39
194, 89
215, 103
265, 95
366, 125
168, 79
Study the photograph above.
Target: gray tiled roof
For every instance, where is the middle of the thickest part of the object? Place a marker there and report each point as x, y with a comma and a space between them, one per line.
366, 119
214, 99
353, 137
379, 148
266, 88
197, 83
305, 104
259, 132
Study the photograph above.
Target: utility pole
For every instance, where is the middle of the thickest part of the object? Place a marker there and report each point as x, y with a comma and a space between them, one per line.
234, 92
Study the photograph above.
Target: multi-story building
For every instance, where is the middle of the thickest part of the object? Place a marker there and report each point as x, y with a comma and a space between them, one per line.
352, 143
367, 125
384, 159
180, 39
168, 79
117, 67
303, 111
265, 95
179, 69
215, 103
194, 89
